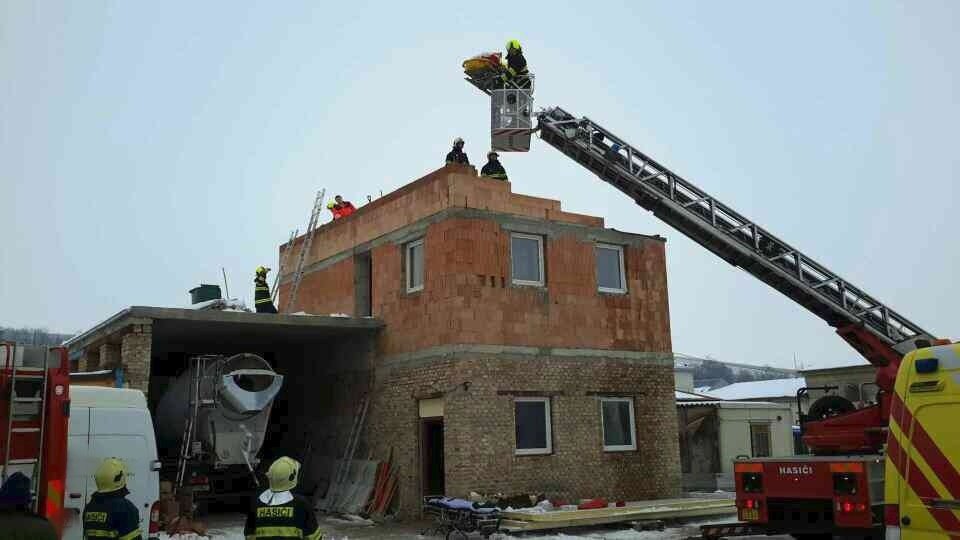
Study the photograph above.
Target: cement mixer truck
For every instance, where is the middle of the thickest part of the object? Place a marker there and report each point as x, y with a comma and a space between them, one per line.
211, 423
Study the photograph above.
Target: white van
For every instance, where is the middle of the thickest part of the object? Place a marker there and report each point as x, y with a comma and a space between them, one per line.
109, 422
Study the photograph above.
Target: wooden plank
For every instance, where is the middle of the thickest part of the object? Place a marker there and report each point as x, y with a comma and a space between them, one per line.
642, 508
650, 510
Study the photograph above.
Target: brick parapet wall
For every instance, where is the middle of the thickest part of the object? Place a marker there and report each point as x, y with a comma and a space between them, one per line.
448, 187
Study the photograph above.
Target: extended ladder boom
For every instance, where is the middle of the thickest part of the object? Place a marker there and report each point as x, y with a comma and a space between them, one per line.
736, 239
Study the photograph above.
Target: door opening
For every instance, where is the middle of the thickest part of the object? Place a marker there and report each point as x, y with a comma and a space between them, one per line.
363, 284
431, 451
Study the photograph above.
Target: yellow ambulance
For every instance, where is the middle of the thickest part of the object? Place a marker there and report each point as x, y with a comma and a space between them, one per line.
922, 488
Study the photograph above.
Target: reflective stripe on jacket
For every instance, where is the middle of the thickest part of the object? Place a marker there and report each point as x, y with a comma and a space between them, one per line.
269, 519
261, 291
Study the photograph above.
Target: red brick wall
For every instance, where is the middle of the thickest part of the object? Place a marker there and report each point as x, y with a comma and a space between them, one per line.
467, 296
452, 186
479, 428
325, 291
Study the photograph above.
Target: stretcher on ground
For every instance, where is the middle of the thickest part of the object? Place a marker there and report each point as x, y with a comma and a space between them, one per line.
459, 518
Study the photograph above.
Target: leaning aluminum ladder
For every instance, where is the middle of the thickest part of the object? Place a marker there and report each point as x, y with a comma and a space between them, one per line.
188, 446
305, 248
284, 259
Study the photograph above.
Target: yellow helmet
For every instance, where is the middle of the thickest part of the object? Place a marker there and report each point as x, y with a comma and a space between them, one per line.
262, 270
283, 474
513, 44
111, 475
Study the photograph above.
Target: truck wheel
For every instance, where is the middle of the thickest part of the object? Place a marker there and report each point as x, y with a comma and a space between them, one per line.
828, 406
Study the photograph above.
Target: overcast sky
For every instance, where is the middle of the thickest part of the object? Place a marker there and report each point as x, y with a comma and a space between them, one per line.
145, 145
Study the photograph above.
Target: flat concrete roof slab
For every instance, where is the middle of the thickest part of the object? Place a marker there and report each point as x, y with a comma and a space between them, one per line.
235, 327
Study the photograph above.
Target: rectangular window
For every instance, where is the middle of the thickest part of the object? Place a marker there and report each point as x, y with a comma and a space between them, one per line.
760, 440
610, 273
532, 415
414, 266
526, 259
618, 424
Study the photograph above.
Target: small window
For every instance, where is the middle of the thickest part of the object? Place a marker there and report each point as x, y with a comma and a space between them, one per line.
618, 424
526, 259
414, 266
610, 274
760, 440
532, 417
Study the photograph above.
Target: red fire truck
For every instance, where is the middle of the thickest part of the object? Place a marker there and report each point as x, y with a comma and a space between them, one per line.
34, 410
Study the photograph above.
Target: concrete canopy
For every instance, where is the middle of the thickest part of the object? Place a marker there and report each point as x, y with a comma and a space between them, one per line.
189, 326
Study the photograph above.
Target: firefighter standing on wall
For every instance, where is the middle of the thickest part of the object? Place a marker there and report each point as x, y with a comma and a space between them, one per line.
277, 513
261, 292
493, 167
109, 514
457, 155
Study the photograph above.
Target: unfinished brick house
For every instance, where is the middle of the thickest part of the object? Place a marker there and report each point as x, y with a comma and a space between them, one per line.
524, 348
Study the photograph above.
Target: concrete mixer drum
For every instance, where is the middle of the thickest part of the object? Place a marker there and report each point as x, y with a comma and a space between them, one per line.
247, 390
221, 407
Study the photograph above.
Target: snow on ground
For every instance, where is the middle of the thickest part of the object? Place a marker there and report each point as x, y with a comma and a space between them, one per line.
230, 527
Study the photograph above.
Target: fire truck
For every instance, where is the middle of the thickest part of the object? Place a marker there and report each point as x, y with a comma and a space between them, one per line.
34, 412
839, 489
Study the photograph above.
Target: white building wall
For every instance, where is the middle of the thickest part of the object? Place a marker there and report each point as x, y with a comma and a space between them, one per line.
735, 435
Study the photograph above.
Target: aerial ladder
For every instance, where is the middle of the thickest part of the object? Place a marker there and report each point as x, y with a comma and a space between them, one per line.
871, 327
876, 331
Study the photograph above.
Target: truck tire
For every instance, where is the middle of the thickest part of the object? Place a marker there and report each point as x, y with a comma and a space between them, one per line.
828, 406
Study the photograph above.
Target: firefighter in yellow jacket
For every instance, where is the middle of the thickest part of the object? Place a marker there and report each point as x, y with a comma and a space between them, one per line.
261, 292
277, 513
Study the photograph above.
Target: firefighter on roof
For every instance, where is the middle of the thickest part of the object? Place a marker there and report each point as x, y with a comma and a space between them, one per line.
493, 168
109, 514
346, 207
277, 513
261, 292
457, 155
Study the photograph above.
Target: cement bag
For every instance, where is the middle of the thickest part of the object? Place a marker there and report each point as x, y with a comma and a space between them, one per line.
482, 62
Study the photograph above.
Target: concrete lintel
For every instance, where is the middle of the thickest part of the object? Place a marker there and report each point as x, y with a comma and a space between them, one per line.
517, 352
